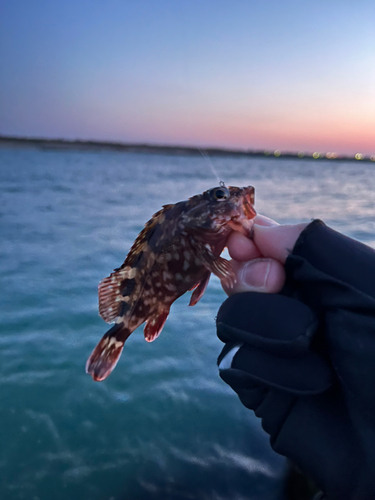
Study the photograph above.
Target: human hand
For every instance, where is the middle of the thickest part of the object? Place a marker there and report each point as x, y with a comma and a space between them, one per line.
259, 262
304, 359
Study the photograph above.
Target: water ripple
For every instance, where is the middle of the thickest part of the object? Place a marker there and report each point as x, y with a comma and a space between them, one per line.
163, 425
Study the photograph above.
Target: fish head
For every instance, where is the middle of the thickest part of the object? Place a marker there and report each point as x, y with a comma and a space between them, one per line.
219, 211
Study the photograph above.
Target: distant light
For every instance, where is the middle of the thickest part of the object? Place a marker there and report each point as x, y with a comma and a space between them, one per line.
301, 154
358, 156
331, 155
277, 152
267, 153
372, 157
316, 155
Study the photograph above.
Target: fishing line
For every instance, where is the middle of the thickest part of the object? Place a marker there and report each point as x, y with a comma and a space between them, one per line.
211, 165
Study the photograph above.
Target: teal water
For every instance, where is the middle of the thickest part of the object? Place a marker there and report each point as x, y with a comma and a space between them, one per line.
163, 425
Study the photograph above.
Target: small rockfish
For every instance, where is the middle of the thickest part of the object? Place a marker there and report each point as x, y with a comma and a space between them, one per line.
177, 251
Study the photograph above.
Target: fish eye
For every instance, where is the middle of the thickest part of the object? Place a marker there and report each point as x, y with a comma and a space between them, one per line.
220, 194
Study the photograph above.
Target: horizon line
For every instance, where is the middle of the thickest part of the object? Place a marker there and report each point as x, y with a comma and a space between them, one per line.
56, 143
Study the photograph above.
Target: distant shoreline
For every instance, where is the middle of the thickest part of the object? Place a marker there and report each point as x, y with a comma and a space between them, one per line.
65, 144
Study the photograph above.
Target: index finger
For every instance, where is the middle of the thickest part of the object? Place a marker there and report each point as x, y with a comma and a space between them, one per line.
241, 248
262, 220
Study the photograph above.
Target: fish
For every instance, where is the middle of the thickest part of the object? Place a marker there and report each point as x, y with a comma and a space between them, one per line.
176, 252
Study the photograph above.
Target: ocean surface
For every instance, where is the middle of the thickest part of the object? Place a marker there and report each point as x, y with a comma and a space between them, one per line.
163, 426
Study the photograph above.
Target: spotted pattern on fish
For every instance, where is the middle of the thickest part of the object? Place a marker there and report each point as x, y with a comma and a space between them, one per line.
176, 251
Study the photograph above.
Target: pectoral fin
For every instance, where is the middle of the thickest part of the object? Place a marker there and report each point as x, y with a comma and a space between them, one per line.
222, 268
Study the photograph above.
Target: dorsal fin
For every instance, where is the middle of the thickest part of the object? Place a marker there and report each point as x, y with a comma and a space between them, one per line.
110, 292
118, 288
144, 236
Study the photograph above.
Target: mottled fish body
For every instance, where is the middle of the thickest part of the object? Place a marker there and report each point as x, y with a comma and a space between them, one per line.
177, 251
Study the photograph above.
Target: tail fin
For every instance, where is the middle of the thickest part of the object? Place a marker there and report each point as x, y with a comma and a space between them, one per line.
106, 354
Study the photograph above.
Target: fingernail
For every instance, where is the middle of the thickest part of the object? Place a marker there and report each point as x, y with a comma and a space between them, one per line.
255, 273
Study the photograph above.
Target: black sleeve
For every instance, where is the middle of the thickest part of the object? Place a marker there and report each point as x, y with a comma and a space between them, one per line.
335, 276
343, 259
306, 364
328, 270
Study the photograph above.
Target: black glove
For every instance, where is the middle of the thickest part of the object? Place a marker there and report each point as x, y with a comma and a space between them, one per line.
305, 361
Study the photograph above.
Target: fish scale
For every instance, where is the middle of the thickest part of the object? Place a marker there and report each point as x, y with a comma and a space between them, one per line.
176, 251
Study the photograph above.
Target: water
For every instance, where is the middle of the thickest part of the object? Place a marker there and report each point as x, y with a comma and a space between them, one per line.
164, 425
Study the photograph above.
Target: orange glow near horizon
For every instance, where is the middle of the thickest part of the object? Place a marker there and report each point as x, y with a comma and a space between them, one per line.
200, 74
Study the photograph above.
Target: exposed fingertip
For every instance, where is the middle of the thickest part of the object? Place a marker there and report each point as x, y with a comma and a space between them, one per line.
277, 242
262, 220
276, 277
258, 275
241, 248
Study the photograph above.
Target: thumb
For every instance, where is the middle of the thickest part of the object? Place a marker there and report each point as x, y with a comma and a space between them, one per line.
257, 275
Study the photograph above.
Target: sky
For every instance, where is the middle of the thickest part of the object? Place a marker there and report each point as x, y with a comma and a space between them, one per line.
265, 74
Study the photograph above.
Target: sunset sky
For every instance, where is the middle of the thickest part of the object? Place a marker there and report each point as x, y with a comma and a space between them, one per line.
270, 74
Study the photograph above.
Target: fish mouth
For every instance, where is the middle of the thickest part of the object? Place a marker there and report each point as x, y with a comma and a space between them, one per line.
248, 204
243, 226
242, 220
